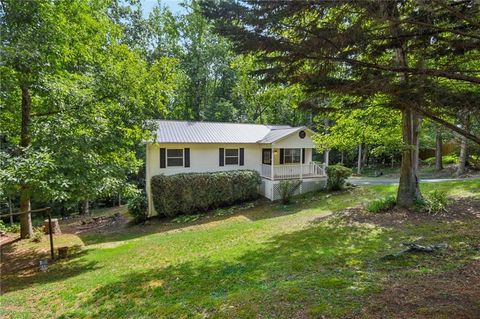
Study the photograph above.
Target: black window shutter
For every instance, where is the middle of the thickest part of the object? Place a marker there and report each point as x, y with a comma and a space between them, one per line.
281, 155
162, 157
303, 156
242, 155
187, 157
221, 157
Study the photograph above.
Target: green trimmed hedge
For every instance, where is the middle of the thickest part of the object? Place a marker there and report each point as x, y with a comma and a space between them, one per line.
190, 192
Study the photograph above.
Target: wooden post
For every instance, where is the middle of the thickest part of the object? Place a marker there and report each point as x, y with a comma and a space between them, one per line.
52, 254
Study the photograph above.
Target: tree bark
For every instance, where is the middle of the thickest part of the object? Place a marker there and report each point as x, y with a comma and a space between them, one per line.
86, 207
359, 161
326, 157
341, 157
438, 150
462, 163
10, 209
417, 124
364, 155
408, 189
26, 230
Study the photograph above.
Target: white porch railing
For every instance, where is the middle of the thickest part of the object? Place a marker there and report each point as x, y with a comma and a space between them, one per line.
292, 171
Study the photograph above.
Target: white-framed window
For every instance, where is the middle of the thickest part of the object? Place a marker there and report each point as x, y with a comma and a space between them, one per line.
174, 157
292, 155
231, 156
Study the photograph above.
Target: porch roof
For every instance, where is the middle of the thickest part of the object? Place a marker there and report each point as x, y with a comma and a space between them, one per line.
220, 133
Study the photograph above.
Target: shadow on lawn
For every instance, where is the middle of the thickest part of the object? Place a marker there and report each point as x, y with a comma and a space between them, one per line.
320, 269
19, 270
263, 210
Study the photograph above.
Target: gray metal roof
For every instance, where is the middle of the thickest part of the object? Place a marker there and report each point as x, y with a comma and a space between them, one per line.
275, 135
215, 132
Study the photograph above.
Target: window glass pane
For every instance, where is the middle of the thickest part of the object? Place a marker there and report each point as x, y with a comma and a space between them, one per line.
292, 151
267, 157
175, 153
292, 155
175, 161
231, 160
231, 152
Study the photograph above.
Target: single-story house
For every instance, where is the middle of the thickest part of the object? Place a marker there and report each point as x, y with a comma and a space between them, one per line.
277, 152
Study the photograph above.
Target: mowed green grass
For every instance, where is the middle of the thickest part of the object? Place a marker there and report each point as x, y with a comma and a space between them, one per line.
271, 261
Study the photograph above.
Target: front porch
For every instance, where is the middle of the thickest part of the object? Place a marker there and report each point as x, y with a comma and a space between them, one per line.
292, 171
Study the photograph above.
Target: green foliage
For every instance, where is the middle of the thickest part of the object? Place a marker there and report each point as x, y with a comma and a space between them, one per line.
381, 204
377, 127
88, 83
15, 228
287, 189
186, 218
187, 193
433, 202
446, 160
37, 234
3, 228
138, 207
337, 175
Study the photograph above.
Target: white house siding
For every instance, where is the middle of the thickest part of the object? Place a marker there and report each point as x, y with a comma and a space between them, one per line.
294, 141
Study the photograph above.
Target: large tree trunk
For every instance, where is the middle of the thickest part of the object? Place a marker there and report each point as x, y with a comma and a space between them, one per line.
326, 157
438, 150
408, 189
86, 207
417, 123
359, 160
26, 230
364, 155
462, 160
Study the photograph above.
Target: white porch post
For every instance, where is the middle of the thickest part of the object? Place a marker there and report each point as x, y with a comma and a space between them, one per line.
271, 168
301, 163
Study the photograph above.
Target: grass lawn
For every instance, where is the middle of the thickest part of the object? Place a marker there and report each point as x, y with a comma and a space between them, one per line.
270, 261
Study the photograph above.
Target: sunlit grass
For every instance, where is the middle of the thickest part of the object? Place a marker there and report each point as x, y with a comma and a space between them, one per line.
271, 261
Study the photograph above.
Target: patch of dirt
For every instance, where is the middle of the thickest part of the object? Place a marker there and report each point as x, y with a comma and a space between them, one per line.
94, 224
457, 210
453, 294
6, 238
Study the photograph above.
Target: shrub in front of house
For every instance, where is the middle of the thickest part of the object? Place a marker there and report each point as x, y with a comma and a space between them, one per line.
138, 207
337, 175
287, 189
191, 192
